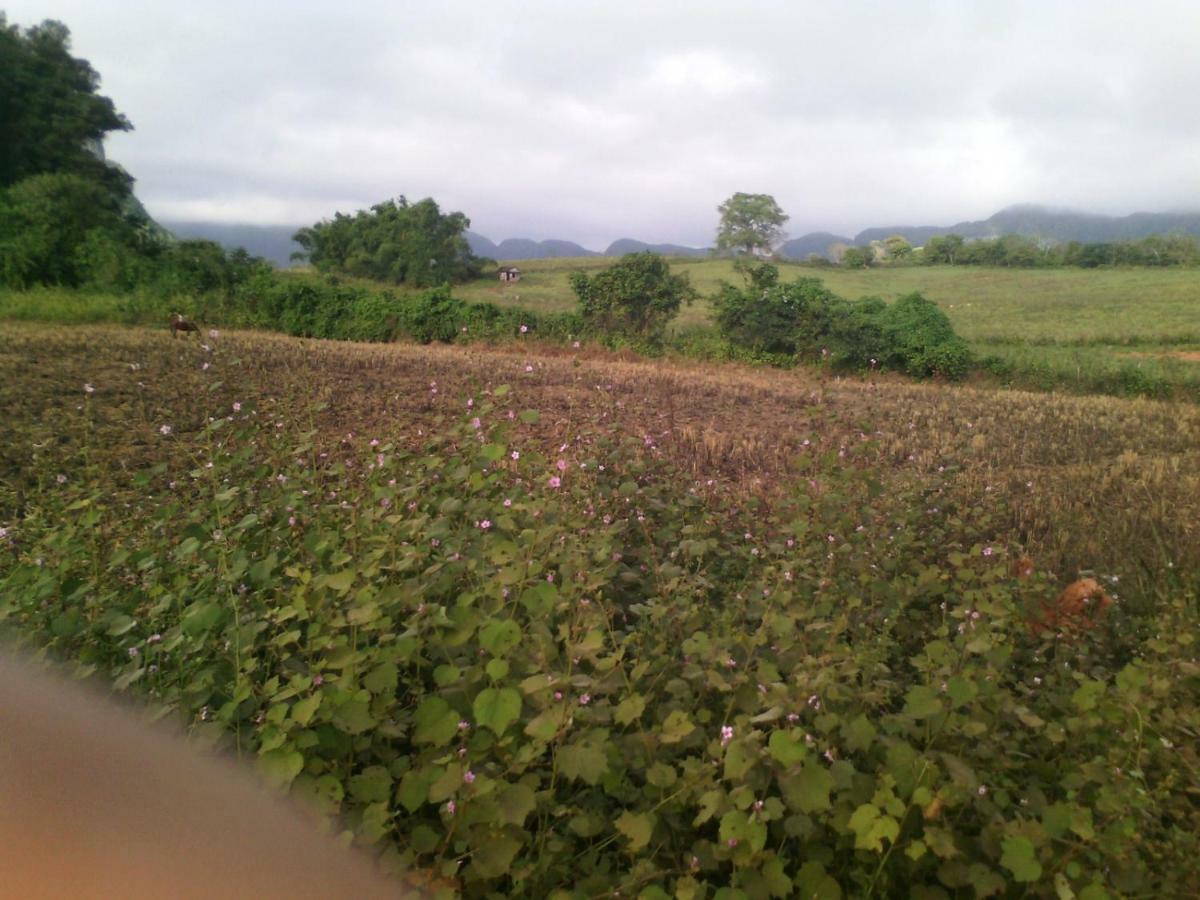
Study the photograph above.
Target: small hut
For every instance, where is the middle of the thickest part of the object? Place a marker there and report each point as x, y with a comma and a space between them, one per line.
510, 274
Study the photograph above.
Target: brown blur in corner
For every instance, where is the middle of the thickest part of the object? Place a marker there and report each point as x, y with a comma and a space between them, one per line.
95, 804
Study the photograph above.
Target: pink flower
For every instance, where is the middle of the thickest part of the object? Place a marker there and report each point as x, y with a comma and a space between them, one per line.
468, 777
555, 481
561, 465
508, 501
524, 328
164, 429
558, 695
585, 699
515, 455
475, 423
463, 725
485, 524
726, 734
450, 807
237, 406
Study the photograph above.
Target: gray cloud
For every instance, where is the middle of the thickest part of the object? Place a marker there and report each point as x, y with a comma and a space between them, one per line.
594, 121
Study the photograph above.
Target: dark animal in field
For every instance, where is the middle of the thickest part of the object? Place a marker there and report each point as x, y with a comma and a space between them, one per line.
179, 323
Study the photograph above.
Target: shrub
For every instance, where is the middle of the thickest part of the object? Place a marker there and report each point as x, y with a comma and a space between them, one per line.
920, 339
637, 296
766, 316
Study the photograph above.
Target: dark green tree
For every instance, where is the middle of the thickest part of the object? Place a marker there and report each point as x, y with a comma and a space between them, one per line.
46, 221
51, 117
751, 224
396, 242
637, 296
944, 249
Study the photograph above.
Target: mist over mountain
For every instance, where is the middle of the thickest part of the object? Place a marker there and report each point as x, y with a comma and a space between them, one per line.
274, 242
1057, 225
628, 245
817, 242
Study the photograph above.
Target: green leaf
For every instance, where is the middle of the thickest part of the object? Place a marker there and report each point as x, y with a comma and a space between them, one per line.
436, 723
303, 710
637, 827
382, 679
497, 708
515, 802
544, 726
583, 762
676, 727
738, 759
871, 828
354, 716
279, 767
630, 709
859, 733
785, 749
493, 856
497, 638
372, 785
813, 883
1020, 858
496, 669
341, 581
530, 416
922, 702
807, 790
199, 617
776, 878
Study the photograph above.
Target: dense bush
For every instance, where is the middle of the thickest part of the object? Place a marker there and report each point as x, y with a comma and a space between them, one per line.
637, 296
805, 319
397, 242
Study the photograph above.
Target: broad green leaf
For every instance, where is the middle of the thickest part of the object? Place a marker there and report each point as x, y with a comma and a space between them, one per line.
814, 883
493, 857
279, 767
497, 708
584, 762
199, 617
382, 679
859, 733
1020, 858
871, 828
637, 827
807, 790
340, 581
354, 716
435, 722
676, 727
785, 749
303, 710
630, 709
921, 702
515, 802
545, 725
372, 785
498, 637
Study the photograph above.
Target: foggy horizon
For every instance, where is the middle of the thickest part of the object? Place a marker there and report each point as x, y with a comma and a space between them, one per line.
593, 122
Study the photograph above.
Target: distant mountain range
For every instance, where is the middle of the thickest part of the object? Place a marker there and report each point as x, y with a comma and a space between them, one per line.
274, 242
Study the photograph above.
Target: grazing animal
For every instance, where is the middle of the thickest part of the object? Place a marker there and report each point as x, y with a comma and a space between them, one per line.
1077, 609
179, 323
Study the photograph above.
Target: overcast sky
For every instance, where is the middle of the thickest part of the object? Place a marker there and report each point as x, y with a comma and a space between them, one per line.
593, 121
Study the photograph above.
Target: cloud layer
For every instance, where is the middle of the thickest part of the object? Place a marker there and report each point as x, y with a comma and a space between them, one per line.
594, 121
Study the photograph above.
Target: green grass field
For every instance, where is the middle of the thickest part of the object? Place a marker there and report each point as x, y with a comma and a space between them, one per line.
1050, 306
1114, 331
